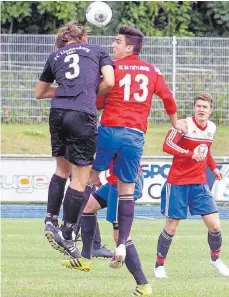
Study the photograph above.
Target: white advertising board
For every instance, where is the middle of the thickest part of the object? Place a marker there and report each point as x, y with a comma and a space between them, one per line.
27, 180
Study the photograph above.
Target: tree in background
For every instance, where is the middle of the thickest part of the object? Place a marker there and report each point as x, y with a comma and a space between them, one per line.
154, 18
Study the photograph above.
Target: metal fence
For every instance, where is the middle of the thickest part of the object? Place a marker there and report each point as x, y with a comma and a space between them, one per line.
190, 66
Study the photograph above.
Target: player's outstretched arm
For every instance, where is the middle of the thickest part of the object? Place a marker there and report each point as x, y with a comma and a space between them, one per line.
173, 119
108, 80
163, 91
44, 90
171, 144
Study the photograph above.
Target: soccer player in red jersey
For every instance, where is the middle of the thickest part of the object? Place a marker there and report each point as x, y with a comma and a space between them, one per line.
186, 185
124, 123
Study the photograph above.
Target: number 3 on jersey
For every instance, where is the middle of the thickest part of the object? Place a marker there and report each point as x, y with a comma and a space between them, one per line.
143, 85
74, 66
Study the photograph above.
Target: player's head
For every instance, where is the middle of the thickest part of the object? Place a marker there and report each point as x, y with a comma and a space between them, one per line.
71, 33
203, 107
128, 42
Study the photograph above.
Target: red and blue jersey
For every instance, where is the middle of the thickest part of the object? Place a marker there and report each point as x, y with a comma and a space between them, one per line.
128, 103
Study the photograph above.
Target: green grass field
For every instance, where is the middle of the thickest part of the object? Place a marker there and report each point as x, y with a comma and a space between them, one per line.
30, 268
34, 139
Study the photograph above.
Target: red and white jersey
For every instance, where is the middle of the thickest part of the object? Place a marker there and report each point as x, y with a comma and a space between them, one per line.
128, 103
184, 169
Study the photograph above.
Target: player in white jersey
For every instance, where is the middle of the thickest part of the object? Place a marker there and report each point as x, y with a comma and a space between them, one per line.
186, 185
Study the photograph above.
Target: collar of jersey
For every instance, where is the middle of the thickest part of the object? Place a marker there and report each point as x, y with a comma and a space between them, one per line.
131, 57
200, 127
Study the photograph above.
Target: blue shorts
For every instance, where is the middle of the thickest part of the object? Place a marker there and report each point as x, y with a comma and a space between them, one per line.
176, 199
127, 144
109, 193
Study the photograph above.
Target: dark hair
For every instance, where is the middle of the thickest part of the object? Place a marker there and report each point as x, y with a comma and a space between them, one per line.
71, 32
133, 37
205, 97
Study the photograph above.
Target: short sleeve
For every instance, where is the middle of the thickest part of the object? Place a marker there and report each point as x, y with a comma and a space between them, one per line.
105, 59
47, 75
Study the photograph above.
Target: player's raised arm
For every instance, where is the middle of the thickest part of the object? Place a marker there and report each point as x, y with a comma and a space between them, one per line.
163, 91
171, 144
108, 79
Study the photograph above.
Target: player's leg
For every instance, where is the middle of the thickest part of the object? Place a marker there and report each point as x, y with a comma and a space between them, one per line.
81, 135
105, 150
203, 203
56, 189
126, 168
97, 238
132, 259
89, 221
134, 266
215, 242
163, 245
174, 204
99, 250
72, 208
90, 189
59, 178
88, 229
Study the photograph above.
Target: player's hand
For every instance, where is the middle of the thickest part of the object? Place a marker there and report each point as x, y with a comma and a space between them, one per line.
98, 183
198, 157
94, 176
218, 174
182, 126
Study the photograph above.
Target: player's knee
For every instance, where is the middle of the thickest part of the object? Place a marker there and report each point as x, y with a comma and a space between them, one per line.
125, 188
63, 172
92, 206
214, 227
63, 167
171, 226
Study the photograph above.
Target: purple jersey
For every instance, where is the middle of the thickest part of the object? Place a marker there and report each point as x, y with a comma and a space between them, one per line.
76, 70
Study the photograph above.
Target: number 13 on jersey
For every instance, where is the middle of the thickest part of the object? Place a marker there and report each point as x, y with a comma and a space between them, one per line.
127, 81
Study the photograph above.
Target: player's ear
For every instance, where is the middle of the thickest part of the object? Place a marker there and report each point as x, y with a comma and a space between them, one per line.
130, 49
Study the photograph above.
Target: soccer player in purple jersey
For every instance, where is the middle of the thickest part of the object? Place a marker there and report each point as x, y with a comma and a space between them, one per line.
76, 66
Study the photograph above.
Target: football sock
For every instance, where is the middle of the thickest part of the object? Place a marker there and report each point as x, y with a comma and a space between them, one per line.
133, 263
72, 206
97, 239
163, 245
55, 197
125, 217
51, 218
215, 242
90, 189
88, 228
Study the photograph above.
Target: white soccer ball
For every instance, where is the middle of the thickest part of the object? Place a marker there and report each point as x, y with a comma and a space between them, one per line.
99, 14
